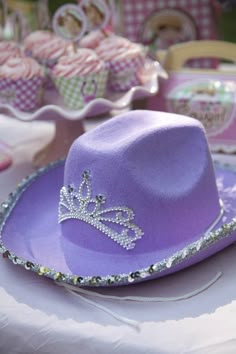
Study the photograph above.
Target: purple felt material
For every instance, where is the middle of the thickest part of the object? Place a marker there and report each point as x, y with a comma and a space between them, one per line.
157, 164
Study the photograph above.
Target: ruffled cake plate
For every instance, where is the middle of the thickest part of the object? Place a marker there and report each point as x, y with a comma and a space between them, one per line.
69, 123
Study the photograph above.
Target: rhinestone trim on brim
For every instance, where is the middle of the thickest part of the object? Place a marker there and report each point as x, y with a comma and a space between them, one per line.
118, 279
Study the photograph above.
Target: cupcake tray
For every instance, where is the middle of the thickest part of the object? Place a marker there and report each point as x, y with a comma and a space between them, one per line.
53, 108
69, 123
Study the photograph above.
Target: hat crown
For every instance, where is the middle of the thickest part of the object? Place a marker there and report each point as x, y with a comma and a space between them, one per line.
156, 164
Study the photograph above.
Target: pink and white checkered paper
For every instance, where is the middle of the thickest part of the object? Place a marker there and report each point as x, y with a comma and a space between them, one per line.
22, 94
124, 74
135, 13
48, 65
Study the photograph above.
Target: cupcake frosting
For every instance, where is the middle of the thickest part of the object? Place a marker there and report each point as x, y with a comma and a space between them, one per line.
84, 62
8, 50
8, 45
37, 38
116, 48
92, 40
53, 48
21, 68
45, 45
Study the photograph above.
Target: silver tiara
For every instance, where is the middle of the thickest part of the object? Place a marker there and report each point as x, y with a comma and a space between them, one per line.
79, 204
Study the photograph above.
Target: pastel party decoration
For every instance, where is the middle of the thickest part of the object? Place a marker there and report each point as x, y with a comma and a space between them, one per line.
207, 95
162, 23
21, 81
69, 22
133, 201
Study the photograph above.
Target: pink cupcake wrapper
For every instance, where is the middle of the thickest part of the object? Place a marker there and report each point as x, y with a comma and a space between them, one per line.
125, 74
123, 84
117, 66
23, 94
48, 64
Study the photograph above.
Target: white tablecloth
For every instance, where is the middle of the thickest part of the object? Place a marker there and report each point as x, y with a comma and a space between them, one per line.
37, 316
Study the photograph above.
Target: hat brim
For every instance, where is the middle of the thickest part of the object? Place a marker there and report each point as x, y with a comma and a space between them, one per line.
30, 236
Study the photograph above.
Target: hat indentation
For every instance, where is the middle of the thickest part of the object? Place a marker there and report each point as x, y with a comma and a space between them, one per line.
79, 204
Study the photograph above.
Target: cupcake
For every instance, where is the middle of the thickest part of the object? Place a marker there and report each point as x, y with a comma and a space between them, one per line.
21, 81
48, 52
124, 60
35, 39
80, 78
9, 49
46, 48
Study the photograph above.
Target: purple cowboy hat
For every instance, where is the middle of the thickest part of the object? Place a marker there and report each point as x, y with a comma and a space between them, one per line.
136, 199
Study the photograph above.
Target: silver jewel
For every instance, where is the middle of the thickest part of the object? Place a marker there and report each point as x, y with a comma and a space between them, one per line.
170, 262
79, 204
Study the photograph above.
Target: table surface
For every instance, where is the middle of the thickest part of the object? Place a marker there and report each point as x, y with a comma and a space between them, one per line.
37, 316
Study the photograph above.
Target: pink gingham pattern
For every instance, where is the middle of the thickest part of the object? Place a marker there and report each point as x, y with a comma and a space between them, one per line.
116, 66
48, 65
135, 12
124, 73
22, 94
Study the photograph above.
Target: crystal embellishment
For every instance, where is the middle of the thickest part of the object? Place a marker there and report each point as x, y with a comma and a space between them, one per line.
79, 204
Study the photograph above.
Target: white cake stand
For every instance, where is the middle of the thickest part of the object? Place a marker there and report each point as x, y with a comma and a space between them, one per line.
69, 123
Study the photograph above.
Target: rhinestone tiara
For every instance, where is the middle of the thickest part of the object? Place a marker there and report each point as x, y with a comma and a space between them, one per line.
79, 204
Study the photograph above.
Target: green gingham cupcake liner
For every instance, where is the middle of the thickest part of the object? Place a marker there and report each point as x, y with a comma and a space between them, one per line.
78, 91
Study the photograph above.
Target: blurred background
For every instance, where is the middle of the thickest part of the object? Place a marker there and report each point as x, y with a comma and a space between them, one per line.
158, 24
38, 13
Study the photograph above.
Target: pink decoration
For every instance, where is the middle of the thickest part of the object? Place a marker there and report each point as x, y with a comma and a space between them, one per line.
208, 97
22, 93
195, 21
